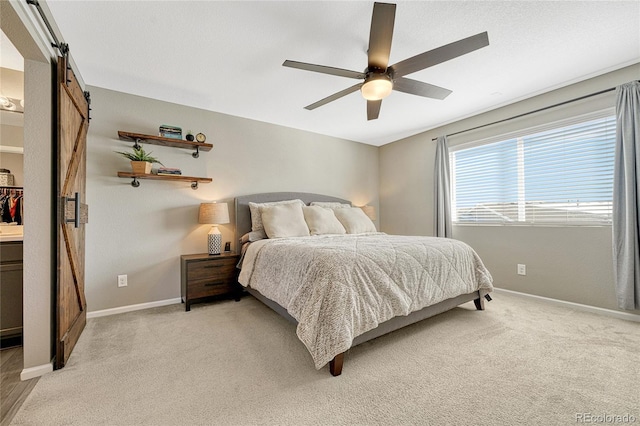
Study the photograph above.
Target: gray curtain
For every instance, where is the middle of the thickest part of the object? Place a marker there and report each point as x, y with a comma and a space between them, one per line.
626, 197
442, 191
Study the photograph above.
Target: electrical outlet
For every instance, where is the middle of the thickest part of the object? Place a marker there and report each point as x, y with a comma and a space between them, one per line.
522, 269
122, 280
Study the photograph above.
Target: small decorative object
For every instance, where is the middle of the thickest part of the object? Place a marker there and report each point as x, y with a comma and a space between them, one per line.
141, 160
214, 214
200, 137
6, 178
189, 136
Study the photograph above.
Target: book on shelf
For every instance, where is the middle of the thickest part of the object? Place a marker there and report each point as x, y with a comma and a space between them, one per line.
171, 135
169, 171
174, 129
171, 132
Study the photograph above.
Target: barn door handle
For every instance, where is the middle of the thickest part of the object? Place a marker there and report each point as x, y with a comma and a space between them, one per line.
76, 219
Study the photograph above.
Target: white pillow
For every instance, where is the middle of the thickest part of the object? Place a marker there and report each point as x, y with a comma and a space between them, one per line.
256, 218
284, 220
354, 220
322, 221
330, 205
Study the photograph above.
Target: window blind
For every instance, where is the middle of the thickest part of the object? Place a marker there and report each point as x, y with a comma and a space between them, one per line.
562, 175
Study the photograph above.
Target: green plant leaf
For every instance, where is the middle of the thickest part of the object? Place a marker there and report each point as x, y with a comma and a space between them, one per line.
139, 154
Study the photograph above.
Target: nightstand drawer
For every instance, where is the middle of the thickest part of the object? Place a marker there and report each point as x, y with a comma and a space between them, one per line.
211, 270
208, 288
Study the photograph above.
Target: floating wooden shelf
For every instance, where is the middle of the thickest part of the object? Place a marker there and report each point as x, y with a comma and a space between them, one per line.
135, 176
137, 138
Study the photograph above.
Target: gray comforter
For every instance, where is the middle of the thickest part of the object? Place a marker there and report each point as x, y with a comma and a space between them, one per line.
338, 287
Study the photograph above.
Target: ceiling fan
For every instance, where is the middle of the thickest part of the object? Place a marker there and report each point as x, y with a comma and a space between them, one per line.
380, 78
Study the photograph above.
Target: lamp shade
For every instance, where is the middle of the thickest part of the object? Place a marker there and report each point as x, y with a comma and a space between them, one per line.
377, 86
213, 213
370, 211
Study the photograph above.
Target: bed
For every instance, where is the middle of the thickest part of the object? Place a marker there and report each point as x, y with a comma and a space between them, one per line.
343, 290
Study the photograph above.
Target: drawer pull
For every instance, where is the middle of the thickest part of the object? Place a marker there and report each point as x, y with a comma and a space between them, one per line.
215, 283
213, 266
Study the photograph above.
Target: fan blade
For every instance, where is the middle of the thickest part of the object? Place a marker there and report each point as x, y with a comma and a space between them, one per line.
441, 54
322, 69
334, 97
414, 87
380, 36
373, 109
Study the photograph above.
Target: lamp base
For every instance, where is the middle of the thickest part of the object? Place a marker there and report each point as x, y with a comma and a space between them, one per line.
214, 240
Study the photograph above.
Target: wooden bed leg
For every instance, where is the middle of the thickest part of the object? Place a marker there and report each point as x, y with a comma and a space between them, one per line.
335, 365
479, 302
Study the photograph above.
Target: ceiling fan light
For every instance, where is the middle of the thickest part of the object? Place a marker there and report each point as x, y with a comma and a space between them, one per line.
377, 87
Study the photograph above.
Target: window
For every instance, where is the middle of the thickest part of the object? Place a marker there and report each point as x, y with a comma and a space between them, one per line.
561, 175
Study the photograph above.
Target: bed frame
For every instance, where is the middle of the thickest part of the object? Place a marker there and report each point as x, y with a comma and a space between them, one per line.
243, 225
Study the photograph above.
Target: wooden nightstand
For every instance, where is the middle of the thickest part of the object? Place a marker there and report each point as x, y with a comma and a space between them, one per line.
205, 275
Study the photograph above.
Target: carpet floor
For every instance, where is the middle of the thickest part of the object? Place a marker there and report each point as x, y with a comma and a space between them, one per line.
239, 363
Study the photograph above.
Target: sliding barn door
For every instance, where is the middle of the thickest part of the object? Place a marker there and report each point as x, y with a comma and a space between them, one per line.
72, 126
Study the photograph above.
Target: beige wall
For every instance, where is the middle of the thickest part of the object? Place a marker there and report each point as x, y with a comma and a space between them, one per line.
12, 136
143, 231
13, 162
566, 263
12, 83
39, 266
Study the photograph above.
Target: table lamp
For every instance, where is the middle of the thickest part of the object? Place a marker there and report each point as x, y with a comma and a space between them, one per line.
214, 214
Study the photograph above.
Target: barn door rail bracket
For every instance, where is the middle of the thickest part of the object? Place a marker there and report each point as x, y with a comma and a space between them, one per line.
62, 47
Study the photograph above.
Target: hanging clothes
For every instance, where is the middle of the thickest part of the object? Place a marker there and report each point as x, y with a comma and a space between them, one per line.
11, 204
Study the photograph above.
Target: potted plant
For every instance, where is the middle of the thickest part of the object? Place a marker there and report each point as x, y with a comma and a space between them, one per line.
141, 160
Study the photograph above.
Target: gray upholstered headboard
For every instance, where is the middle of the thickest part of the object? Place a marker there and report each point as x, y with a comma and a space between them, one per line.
243, 214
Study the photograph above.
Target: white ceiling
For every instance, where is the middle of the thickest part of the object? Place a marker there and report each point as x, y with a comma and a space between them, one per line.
9, 55
226, 56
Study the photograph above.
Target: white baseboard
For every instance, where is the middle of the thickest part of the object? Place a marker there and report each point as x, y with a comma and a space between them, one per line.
587, 308
131, 308
37, 371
